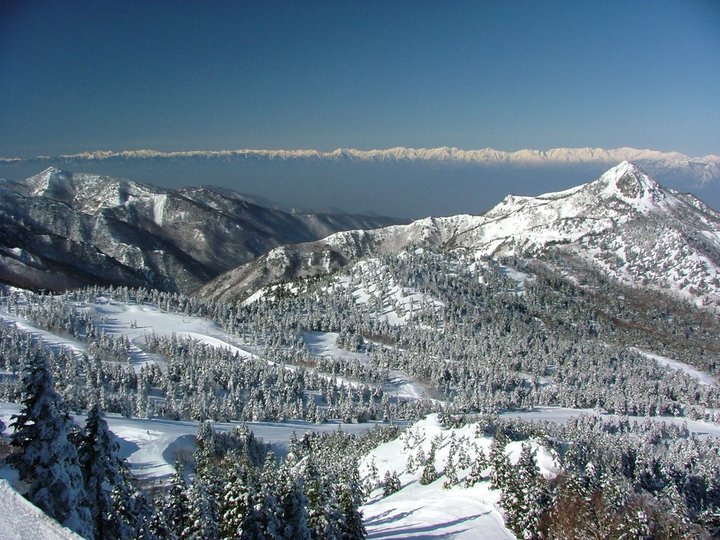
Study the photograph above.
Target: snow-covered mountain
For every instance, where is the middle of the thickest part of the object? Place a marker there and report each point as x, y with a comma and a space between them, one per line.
702, 168
62, 230
623, 224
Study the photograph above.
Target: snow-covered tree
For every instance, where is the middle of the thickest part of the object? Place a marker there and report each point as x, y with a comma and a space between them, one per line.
103, 472
391, 483
43, 453
176, 506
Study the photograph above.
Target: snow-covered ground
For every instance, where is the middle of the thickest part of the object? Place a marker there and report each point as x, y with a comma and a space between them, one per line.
562, 414
152, 446
397, 384
21, 520
137, 320
51, 340
431, 511
692, 371
370, 282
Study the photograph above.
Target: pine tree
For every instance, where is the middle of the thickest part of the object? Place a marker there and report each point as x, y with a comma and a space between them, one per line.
429, 473
350, 497
391, 483
206, 493
450, 471
133, 516
265, 501
499, 462
323, 513
202, 519
103, 471
524, 496
292, 503
479, 465
176, 506
44, 455
237, 500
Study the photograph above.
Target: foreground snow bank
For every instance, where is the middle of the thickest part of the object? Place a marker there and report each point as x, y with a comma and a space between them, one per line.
21, 520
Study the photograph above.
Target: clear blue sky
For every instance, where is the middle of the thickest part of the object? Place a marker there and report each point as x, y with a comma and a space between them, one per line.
179, 75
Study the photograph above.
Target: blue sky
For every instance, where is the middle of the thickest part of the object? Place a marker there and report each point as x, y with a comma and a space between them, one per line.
179, 75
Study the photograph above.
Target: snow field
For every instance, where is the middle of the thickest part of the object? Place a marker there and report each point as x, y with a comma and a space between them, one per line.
424, 511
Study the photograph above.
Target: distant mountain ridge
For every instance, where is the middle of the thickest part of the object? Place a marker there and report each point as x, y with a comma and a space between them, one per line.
63, 230
624, 224
703, 168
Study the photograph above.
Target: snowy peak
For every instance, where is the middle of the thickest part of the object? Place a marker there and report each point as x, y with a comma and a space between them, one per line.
629, 183
52, 183
624, 224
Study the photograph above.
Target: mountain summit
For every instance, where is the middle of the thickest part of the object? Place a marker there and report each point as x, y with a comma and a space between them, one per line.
624, 224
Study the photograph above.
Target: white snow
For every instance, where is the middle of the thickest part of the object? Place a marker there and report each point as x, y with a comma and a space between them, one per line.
159, 202
370, 282
52, 340
325, 344
418, 511
136, 321
152, 446
560, 415
21, 520
397, 384
692, 371
430, 511
705, 168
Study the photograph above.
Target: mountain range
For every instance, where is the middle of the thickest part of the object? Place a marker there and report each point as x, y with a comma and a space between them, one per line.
623, 225
703, 169
63, 230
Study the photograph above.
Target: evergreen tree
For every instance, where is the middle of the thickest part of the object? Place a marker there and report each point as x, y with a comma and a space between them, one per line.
391, 483
292, 503
202, 519
450, 471
524, 496
479, 465
206, 493
499, 462
133, 516
237, 500
43, 453
176, 506
429, 473
323, 513
104, 472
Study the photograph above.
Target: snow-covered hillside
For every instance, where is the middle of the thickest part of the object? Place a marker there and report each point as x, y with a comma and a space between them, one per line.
376, 341
432, 510
623, 224
64, 230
